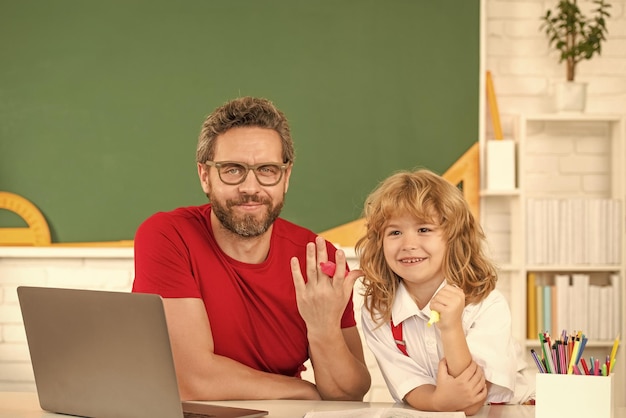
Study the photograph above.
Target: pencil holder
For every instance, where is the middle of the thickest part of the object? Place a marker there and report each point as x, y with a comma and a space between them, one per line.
571, 395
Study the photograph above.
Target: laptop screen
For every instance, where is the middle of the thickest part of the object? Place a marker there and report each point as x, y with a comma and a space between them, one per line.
102, 354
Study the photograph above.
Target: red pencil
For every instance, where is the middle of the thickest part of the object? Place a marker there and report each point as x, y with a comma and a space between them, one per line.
584, 364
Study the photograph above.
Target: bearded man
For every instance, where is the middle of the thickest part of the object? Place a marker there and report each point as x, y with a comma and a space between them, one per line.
245, 300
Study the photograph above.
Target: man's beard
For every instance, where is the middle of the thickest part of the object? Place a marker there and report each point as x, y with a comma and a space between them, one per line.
245, 226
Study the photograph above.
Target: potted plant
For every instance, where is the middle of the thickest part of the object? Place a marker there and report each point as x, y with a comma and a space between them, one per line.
576, 37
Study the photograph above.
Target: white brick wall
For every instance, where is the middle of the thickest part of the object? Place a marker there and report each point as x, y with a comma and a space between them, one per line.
524, 68
56, 267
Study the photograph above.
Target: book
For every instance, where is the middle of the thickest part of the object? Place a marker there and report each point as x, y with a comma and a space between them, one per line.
561, 289
547, 309
531, 308
577, 232
539, 308
531, 232
616, 289
553, 232
605, 313
595, 313
580, 286
565, 232
553, 314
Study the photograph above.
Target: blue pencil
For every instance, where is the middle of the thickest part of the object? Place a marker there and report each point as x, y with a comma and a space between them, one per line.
583, 342
537, 361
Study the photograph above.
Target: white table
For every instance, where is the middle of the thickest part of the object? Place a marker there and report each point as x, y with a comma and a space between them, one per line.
26, 405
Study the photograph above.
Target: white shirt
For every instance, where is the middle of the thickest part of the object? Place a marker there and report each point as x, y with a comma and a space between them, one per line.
487, 327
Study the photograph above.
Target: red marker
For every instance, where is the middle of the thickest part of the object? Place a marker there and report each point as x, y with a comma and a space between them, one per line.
328, 268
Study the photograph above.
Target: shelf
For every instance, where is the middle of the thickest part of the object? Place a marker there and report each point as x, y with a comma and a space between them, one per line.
563, 156
66, 252
573, 268
573, 117
507, 267
499, 193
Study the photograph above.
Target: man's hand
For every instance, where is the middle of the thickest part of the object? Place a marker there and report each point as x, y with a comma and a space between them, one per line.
322, 299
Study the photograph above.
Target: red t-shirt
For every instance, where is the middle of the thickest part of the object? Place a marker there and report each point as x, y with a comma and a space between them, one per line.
251, 307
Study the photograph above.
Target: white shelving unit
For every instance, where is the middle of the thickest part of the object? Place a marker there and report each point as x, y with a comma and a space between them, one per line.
559, 156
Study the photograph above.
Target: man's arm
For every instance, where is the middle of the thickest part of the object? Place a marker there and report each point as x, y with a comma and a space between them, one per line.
336, 354
339, 365
203, 375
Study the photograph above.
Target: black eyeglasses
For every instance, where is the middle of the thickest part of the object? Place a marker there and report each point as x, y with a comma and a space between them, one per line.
233, 173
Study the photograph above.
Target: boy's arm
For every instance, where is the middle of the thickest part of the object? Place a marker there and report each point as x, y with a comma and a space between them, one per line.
467, 392
450, 302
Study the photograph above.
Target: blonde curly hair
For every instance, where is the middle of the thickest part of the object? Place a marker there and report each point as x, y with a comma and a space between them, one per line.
427, 197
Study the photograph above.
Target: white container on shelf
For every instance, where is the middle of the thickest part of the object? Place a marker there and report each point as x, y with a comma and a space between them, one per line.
501, 164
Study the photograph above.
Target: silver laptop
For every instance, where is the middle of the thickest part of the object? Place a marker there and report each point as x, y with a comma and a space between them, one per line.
106, 354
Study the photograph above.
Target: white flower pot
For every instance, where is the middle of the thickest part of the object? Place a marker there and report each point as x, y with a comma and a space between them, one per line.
570, 96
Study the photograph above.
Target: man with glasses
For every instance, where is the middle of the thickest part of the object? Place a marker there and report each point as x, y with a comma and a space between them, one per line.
245, 300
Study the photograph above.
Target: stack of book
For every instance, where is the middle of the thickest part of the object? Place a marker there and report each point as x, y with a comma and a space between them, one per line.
573, 302
573, 231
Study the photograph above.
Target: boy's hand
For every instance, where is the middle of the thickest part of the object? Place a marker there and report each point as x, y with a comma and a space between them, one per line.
456, 394
449, 302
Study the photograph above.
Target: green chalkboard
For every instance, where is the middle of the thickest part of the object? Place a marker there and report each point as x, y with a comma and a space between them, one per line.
101, 102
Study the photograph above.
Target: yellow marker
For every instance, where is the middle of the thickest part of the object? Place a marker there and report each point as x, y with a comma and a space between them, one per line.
434, 317
613, 353
574, 356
